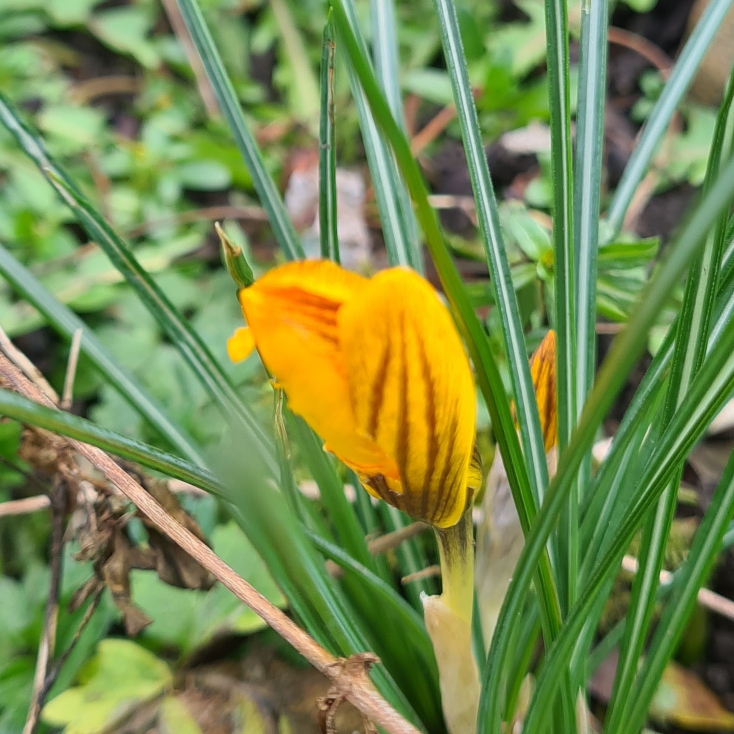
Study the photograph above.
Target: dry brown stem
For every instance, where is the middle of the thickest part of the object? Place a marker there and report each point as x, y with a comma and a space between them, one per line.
645, 48
25, 506
356, 687
51, 615
68, 393
182, 34
391, 540
87, 90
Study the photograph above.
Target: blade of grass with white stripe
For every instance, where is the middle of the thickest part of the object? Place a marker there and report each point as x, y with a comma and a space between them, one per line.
386, 180
385, 57
627, 347
641, 408
65, 322
677, 611
494, 246
624, 455
657, 123
230, 107
612, 638
488, 376
565, 267
587, 193
701, 404
327, 150
182, 335
62, 423
588, 162
692, 336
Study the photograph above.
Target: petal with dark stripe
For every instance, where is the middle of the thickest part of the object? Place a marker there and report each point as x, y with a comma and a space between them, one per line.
543, 373
411, 390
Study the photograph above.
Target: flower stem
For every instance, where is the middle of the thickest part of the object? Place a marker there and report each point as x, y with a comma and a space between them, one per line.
448, 621
456, 554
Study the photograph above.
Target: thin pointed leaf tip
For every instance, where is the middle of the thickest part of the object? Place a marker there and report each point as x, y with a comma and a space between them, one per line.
377, 369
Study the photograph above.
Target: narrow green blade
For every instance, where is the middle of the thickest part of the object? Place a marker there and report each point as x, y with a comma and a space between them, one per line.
327, 150
677, 85
232, 112
66, 323
26, 411
182, 335
625, 350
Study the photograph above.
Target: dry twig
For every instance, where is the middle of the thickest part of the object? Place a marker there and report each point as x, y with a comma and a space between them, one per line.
706, 598
58, 664
182, 34
356, 687
68, 393
25, 506
51, 615
26, 366
85, 91
648, 50
424, 573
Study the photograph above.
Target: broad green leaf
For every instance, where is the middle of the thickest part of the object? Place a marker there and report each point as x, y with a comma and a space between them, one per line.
126, 29
74, 128
187, 618
174, 717
120, 677
69, 12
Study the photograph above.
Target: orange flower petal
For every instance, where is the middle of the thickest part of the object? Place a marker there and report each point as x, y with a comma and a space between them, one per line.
320, 278
292, 312
241, 344
412, 392
543, 373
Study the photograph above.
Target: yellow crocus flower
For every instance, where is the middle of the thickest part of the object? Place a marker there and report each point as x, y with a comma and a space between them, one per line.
377, 369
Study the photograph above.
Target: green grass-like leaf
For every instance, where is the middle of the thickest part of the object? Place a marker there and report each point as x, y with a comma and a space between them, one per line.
327, 150
677, 85
624, 352
393, 202
692, 336
230, 107
66, 323
386, 60
705, 399
26, 411
588, 171
691, 577
182, 335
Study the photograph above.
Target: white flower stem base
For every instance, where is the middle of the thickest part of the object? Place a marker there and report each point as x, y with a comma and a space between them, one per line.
448, 621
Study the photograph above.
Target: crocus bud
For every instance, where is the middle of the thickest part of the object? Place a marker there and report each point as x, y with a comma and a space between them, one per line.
375, 366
